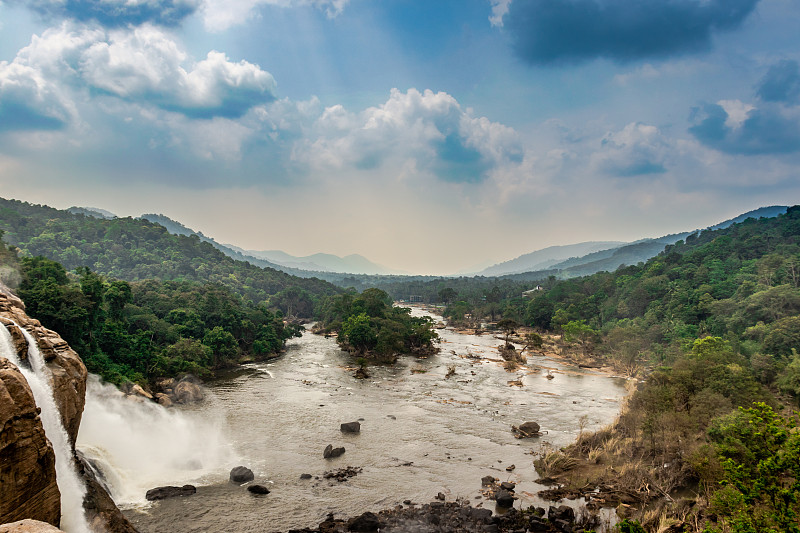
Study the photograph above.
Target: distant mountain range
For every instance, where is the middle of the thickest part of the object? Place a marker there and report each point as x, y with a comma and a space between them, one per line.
564, 261
95, 212
545, 258
353, 264
313, 265
606, 256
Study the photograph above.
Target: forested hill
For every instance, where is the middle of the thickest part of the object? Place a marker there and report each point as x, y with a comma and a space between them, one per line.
136, 249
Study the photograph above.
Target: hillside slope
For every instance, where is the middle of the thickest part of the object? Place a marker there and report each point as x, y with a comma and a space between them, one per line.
137, 249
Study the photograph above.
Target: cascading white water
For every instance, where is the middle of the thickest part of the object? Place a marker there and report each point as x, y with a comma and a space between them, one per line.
139, 445
73, 518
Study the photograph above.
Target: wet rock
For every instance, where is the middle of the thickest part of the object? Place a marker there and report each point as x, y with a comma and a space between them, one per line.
137, 390
241, 474
562, 512
163, 399
305, 476
101, 511
487, 481
504, 498
330, 452
28, 486
188, 390
162, 493
507, 485
481, 515
440, 496
351, 427
343, 474
527, 429
510, 468
258, 489
365, 522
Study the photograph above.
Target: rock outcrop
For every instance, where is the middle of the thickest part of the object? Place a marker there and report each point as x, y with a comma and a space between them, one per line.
29, 526
68, 371
28, 486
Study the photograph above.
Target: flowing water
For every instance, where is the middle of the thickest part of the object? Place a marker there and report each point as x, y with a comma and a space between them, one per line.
73, 519
421, 434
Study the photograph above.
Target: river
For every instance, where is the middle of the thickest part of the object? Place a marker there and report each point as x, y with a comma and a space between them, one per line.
421, 434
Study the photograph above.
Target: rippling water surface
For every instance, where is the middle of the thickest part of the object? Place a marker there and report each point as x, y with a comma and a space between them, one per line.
421, 433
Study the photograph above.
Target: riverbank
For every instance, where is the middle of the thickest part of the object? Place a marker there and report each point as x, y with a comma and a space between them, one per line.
459, 516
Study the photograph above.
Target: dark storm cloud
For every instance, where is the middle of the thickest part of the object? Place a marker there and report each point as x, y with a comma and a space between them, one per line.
768, 130
116, 13
547, 32
781, 83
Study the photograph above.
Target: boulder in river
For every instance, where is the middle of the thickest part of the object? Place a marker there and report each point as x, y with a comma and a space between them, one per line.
365, 522
162, 493
241, 474
527, 429
562, 512
351, 427
504, 498
188, 390
331, 452
258, 489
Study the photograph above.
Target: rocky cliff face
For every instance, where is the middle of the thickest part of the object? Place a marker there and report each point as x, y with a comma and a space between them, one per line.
69, 372
28, 488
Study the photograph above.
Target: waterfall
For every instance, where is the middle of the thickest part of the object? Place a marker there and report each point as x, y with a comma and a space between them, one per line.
139, 445
73, 519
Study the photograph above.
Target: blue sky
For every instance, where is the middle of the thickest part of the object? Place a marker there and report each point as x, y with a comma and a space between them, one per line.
427, 136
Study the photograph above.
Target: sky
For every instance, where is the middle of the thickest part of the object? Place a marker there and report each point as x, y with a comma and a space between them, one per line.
430, 136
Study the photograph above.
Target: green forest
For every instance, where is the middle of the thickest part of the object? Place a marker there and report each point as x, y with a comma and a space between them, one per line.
710, 329
369, 325
139, 303
145, 330
135, 250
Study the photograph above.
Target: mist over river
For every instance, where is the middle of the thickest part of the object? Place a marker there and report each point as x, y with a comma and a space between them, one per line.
421, 434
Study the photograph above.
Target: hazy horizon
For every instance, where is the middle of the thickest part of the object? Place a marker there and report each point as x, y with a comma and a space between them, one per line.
425, 136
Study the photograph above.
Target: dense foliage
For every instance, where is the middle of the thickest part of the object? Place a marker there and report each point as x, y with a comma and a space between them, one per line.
367, 324
136, 249
717, 321
145, 330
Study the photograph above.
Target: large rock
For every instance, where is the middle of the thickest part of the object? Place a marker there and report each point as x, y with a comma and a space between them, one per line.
504, 498
28, 486
29, 526
101, 511
188, 390
527, 429
162, 493
67, 369
562, 512
365, 522
351, 427
242, 474
330, 452
257, 489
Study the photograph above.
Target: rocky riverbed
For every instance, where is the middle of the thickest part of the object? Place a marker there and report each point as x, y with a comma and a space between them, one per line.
428, 427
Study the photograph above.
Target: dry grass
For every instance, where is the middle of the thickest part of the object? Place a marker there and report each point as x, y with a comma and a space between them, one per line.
552, 463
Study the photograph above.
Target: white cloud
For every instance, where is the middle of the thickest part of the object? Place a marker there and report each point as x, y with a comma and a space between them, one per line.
219, 15
499, 10
144, 65
426, 131
737, 112
635, 150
